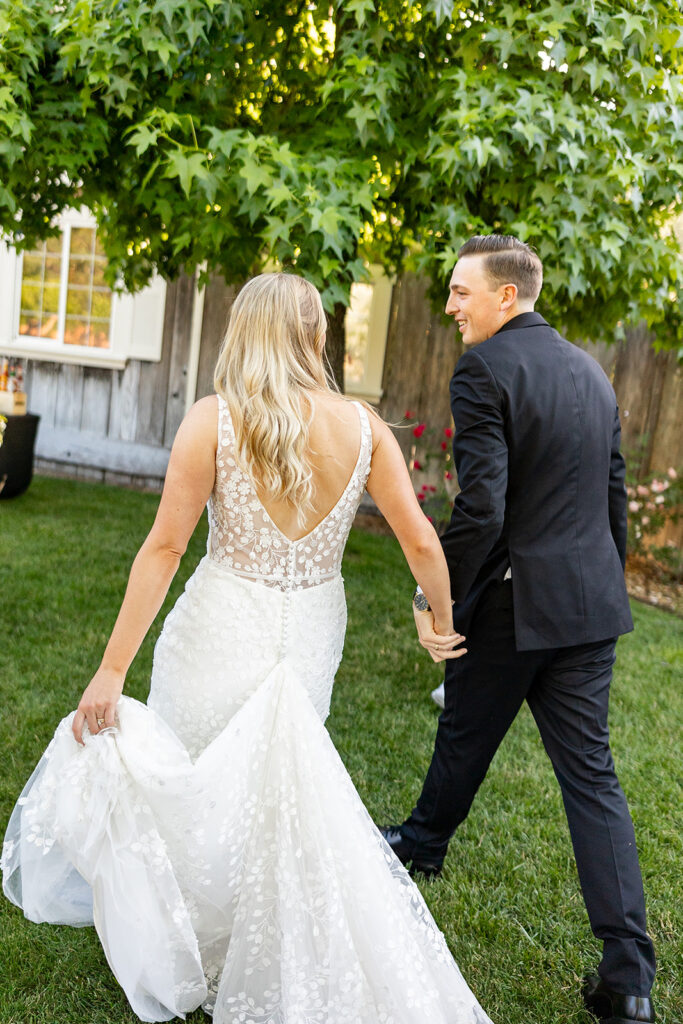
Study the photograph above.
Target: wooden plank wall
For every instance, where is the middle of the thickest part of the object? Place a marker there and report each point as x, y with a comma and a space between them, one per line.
217, 302
649, 387
124, 418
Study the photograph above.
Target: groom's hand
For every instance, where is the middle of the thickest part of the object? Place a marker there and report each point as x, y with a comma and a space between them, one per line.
440, 645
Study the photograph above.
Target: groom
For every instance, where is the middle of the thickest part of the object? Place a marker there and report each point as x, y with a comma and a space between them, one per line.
536, 549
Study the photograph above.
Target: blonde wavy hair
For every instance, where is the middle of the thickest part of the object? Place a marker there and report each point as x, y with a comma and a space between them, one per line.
271, 354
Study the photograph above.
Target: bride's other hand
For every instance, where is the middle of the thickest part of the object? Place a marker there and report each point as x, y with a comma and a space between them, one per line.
97, 706
391, 487
439, 639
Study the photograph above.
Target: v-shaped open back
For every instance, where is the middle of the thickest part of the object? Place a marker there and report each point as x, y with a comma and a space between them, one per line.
244, 538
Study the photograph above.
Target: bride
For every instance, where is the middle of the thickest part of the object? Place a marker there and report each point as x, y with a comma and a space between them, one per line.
213, 835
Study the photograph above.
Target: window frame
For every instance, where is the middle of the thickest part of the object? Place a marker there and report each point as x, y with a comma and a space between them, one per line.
131, 334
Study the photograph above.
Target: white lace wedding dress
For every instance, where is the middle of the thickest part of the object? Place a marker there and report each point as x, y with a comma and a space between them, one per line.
213, 836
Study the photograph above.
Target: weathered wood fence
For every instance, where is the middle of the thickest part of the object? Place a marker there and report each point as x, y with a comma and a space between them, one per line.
115, 425
95, 421
118, 426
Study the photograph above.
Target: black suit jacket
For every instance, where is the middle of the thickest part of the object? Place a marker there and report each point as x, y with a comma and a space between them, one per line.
536, 450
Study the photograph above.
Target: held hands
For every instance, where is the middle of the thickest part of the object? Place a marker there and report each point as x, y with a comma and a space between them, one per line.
97, 706
439, 639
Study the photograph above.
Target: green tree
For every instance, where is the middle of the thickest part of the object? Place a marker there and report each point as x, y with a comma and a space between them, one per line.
232, 133
563, 125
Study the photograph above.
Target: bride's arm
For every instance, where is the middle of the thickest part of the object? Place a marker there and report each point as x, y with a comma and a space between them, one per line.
189, 482
390, 487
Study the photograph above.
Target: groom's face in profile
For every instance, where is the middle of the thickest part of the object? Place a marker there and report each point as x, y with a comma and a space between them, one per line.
478, 307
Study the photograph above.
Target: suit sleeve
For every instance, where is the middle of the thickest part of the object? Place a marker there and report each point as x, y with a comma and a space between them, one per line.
481, 460
617, 492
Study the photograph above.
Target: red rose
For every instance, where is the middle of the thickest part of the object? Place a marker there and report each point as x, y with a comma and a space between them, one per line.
444, 446
417, 464
432, 489
449, 476
420, 497
430, 519
448, 431
408, 414
419, 430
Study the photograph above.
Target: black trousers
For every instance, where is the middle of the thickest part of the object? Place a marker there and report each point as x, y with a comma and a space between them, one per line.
567, 690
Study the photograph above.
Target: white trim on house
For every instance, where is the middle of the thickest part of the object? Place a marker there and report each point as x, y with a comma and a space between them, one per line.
375, 327
8, 270
195, 340
136, 324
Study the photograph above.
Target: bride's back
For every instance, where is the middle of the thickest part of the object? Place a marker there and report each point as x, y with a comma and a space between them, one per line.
295, 436
333, 447
260, 533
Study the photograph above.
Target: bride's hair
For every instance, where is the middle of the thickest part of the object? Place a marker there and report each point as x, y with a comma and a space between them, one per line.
273, 352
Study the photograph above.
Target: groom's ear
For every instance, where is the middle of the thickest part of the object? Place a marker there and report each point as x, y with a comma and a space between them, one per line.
508, 296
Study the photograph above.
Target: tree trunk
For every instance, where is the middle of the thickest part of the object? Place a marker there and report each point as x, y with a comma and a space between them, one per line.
335, 344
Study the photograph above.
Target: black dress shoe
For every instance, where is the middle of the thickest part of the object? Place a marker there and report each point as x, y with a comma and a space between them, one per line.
614, 1007
403, 850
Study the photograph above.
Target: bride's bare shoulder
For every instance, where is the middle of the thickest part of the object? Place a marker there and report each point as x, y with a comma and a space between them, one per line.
204, 412
207, 406
345, 411
200, 424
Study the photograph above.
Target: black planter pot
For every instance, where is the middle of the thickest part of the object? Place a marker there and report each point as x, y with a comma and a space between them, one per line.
16, 454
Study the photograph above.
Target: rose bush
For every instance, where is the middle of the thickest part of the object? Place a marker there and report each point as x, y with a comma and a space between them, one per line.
431, 468
652, 503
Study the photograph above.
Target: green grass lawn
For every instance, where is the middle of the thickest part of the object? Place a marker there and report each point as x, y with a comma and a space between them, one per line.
509, 901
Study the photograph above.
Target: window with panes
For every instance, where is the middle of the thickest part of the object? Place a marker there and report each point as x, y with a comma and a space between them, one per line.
64, 296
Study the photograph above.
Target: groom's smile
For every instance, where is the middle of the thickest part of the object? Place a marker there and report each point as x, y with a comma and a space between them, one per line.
478, 306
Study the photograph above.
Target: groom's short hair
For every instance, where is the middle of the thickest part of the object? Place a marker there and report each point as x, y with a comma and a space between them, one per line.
508, 261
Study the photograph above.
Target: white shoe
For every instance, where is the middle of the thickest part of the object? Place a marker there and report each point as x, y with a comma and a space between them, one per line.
438, 696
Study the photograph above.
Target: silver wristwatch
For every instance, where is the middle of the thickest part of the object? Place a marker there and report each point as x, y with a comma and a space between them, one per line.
420, 601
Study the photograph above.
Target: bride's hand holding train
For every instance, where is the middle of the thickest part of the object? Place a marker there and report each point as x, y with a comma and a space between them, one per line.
97, 706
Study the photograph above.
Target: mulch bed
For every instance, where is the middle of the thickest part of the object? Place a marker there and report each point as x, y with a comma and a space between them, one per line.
646, 583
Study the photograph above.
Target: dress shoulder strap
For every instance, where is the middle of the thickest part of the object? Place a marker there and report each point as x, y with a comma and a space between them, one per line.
225, 432
365, 454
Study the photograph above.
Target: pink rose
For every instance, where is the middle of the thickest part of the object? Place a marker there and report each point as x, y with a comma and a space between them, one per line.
634, 506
